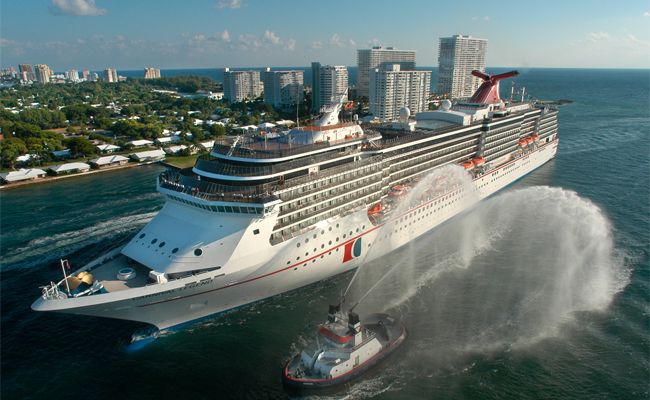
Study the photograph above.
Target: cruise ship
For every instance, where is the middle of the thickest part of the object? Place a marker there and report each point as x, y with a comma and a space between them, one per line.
260, 216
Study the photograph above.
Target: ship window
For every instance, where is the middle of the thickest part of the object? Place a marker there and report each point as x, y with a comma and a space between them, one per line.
175, 250
154, 241
307, 240
161, 244
143, 235
221, 209
297, 244
228, 209
198, 252
256, 232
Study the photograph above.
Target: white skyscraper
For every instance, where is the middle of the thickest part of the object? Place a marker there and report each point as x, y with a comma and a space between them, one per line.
151, 73
369, 59
283, 89
43, 73
241, 85
391, 89
457, 57
110, 75
72, 75
329, 83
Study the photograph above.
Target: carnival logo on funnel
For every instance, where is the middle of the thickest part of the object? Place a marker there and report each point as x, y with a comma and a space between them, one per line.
352, 250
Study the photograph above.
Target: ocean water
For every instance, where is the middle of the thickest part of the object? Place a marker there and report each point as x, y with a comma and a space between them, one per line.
541, 291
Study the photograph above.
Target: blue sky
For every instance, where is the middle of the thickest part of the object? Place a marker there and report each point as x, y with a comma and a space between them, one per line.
132, 34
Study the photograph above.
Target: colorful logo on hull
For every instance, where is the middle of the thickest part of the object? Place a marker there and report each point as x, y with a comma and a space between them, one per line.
352, 250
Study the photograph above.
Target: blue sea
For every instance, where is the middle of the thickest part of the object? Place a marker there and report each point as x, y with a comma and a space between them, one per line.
539, 292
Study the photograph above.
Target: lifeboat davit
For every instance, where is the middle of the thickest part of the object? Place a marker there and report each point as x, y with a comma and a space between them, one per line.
478, 161
468, 165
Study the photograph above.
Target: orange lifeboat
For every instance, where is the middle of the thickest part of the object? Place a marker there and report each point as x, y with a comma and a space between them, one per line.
529, 140
468, 165
522, 142
535, 137
478, 161
376, 209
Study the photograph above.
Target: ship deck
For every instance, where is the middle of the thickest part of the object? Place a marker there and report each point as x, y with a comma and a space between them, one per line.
106, 274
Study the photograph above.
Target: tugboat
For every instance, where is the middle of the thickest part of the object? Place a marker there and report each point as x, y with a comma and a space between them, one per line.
345, 349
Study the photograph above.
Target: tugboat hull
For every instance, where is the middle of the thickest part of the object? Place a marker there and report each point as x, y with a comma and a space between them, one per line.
396, 335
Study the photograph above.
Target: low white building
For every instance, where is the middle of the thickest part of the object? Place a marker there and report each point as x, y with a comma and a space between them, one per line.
148, 156
108, 161
69, 168
140, 143
108, 148
22, 175
208, 145
164, 140
171, 150
26, 157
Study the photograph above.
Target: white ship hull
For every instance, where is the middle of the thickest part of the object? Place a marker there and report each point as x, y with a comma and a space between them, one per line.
272, 270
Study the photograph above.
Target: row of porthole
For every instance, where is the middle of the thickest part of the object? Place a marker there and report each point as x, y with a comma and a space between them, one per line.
314, 259
197, 252
426, 214
330, 229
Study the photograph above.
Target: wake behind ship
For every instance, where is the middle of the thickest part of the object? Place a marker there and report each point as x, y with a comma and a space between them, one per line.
262, 216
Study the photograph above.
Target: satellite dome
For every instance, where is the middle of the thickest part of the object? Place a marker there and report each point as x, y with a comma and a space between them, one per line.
445, 105
404, 114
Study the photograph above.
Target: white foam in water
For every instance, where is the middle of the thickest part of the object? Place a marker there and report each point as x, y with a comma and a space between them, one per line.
48, 248
510, 272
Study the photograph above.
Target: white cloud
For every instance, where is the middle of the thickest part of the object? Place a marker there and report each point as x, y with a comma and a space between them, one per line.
646, 14
484, 18
291, 45
636, 42
336, 41
374, 42
352, 43
229, 4
271, 37
225, 36
6, 42
76, 7
598, 36
317, 45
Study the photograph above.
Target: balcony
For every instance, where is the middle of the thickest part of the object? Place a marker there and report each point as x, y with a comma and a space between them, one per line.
172, 180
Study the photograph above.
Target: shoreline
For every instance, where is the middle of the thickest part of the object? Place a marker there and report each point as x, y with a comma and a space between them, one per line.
47, 179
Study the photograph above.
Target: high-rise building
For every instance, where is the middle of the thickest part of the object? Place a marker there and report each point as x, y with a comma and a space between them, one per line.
241, 85
329, 83
72, 75
110, 75
85, 75
457, 57
391, 89
370, 59
43, 73
151, 73
27, 72
283, 89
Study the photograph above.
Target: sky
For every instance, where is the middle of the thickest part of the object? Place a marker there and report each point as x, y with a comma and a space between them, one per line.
127, 34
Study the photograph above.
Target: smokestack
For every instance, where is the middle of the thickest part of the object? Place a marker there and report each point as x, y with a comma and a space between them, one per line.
334, 308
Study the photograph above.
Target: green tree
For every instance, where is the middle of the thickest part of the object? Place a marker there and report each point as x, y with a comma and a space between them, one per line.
11, 148
80, 145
